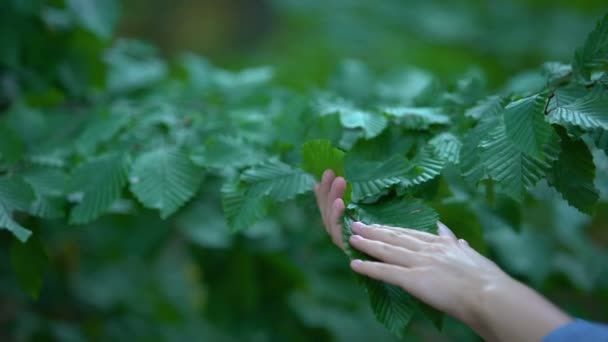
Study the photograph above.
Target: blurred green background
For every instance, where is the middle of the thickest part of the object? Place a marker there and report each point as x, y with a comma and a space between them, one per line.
140, 278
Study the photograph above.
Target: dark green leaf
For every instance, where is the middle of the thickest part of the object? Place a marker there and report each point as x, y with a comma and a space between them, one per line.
29, 261
164, 179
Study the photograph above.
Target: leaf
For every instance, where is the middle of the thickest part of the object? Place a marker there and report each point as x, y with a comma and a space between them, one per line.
556, 72
241, 209
526, 126
99, 182
11, 146
424, 167
164, 179
447, 147
97, 16
277, 180
473, 170
320, 155
594, 53
225, 151
573, 175
588, 112
371, 123
401, 212
50, 186
600, 138
100, 131
392, 306
421, 118
507, 164
15, 194
29, 261
372, 178
490, 106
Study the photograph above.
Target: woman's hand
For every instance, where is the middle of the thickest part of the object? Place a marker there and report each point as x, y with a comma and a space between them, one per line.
443, 272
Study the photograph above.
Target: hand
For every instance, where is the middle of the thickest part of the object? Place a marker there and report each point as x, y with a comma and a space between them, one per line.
443, 272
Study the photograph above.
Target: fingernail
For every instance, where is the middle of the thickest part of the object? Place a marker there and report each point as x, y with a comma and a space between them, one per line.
357, 226
356, 263
356, 237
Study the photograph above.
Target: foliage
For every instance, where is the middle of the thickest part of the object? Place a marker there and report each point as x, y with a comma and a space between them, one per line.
111, 137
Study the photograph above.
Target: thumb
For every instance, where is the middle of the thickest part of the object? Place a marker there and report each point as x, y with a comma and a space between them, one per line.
444, 230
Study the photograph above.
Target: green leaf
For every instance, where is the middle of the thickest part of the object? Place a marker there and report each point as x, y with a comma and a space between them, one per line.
490, 106
424, 167
473, 170
11, 146
392, 306
600, 138
225, 151
526, 126
507, 164
371, 123
97, 16
29, 261
588, 112
320, 155
15, 194
447, 147
594, 54
400, 212
98, 183
372, 178
100, 131
50, 186
421, 118
573, 175
277, 180
241, 209
164, 179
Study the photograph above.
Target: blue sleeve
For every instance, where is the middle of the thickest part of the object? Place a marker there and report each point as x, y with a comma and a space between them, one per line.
579, 330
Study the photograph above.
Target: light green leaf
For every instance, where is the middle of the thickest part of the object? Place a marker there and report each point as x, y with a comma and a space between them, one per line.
490, 106
164, 179
100, 131
241, 209
98, 16
277, 180
320, 155
371, 123
372, 178
514, 170
29, 262
417, 118
588, 112
447, 147
573, 175
594, 54
15, 194
526, 126
98, 183
50, 186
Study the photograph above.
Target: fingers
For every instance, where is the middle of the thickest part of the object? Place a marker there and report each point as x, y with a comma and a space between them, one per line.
388, 235
335, 224
445, 231
385, 252
336, 190
322, 191
423, 236
392, 274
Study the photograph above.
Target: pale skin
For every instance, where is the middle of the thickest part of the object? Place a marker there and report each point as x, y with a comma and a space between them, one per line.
444, 272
